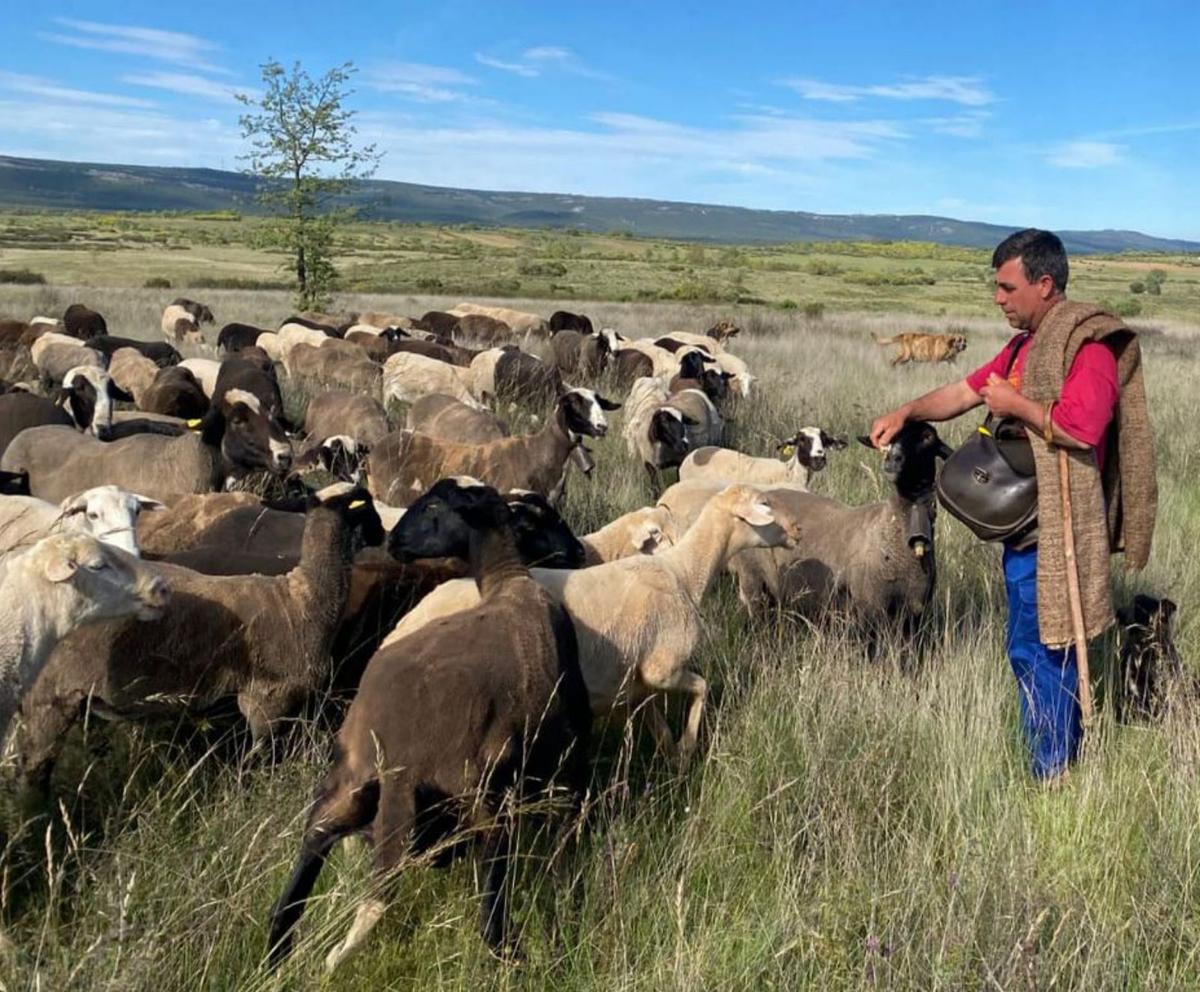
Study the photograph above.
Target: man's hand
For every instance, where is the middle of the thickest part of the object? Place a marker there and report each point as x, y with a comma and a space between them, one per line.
888, 426
1001, 398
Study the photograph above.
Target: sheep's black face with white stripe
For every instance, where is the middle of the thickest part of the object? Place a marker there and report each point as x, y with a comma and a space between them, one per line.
810, 445
250, 439
342, 457
543, 537
439, 524
581, 412
691, 365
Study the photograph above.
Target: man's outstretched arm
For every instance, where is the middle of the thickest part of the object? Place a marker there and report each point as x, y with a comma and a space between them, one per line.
944, 403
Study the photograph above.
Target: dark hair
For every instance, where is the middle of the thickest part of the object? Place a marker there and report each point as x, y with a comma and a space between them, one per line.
1041, 254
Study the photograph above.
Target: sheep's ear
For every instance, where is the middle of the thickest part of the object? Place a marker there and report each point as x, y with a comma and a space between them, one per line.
865, 441
61, 567
73, 505
690, 421
146, 503
606, 404
943, 449
837, 443
647, 538
755, 512
1168, 607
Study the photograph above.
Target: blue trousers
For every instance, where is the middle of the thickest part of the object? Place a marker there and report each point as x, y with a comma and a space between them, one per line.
1047, 678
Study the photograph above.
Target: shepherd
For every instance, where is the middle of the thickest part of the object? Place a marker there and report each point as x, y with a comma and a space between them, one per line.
1072, 378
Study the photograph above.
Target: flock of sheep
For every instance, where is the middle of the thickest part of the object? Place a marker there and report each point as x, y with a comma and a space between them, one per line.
434, 585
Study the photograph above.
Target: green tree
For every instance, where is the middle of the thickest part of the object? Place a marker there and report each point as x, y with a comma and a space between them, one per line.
302, 141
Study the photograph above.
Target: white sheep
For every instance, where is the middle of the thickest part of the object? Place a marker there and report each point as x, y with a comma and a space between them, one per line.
804, 455
107, 513
64, 582
408, 376
638, 619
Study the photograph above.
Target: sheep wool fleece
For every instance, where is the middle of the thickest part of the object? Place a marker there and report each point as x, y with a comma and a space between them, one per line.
1113, 513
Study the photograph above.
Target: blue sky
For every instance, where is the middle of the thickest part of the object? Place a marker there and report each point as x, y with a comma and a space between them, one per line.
1064, 115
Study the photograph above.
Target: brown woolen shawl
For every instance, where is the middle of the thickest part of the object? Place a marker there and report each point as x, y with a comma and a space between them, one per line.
1111, 513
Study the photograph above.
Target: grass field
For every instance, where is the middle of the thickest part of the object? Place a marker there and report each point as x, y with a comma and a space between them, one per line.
845, 826
933, 280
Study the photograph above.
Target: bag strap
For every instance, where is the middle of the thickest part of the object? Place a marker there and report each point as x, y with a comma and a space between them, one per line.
1014, 349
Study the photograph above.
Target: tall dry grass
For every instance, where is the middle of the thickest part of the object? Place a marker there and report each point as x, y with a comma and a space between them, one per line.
845, 826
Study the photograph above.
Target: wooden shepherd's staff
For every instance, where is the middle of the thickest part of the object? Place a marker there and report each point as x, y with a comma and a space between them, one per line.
1081, 655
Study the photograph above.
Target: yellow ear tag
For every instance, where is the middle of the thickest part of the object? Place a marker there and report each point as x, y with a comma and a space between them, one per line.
984, 431
787, 450
357, 503
194, 424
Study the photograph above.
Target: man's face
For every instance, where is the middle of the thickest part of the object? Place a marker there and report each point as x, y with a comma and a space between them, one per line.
1023, 302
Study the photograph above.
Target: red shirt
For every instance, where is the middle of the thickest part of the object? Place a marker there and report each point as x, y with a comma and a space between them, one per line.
1089, 395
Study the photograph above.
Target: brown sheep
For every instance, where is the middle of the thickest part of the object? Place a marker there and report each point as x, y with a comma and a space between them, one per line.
447, 721
441, 416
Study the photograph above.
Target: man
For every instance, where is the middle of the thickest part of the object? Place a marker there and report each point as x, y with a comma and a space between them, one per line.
1073, 378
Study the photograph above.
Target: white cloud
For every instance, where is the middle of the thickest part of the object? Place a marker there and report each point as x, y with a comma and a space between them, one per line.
153, 43
187, 84
35, 86
969, 125
965, 90
1085, 154
532, 62
547, 53
423, 83
517, 68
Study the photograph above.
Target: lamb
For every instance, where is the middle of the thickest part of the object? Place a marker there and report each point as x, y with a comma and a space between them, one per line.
339, 412
407, 377
661, 428
638, 619
54, 359
235, 438
644, 531
83, 323
403, 463
805, 452
263, 641
439, 322
65, 582
444, 417
460, 713
107, 513
199, 313
481, 329
876, 561
334, 369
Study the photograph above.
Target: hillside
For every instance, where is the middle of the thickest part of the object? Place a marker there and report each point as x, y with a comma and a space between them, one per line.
45, 184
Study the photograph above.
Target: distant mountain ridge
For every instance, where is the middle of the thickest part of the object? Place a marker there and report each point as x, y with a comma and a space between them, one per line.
48, 184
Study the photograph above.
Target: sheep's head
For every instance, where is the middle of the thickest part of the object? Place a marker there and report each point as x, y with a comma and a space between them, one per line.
543, 537
110, 582
440, 522
809, 447
87, 394
355, 505
250, 438
581, 412
768, 524
910, 460
109, 514
668, 436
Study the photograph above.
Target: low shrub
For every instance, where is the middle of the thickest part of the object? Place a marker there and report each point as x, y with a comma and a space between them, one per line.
22, 277
157, 282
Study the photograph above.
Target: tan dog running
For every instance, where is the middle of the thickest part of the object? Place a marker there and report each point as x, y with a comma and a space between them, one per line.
917, 347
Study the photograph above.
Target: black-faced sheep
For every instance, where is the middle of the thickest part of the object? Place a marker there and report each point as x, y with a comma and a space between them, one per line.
232, 338
445, 724
235, 438
1151, 673
874, 561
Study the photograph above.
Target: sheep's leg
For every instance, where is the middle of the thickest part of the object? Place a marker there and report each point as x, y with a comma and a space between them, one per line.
668, 677
493, 911
370, 912
339, 810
